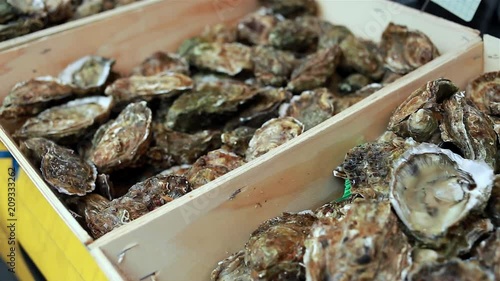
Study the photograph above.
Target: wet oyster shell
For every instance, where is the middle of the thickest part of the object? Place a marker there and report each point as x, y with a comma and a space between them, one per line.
488, 255
359, 57
454, 269
310, 108
357, 248
254, 29
406, 50
291, 8
293, 35
67, 172
469, 129
232, 268
146, 88
30, 97
314, 71
161, 62
237, 140
122, 141
87, 74
272, 134
272, 67
227, 58
68, 121
423, 108
432, 189
277, 242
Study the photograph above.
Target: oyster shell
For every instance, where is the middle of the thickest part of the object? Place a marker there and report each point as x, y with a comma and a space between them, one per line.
469, 129
68, 121
232, 268
105, 186
209, 102
493, 206
122, 141
211, 166
291, 8
30, 97
314, 71
454, 269
310, 108
342, 102
135, 88
417, 116
332, 35
87, 74
353, 83
272, 134
87, 8
488, 255
433, 189
359, 57
483, 91
179, 170
272, 67
237, 140
219, 33
254, 29
356, 247
20, 27
293, 35
227, 58
278, 243
161, 62
66, 172
36, 148
406, 50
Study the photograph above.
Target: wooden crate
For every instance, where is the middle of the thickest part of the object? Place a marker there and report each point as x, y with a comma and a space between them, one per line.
184, 239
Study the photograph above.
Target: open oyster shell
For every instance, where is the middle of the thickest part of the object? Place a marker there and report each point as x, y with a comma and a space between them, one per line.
68, 121
161, 62
433, 189
122, 141
87, 74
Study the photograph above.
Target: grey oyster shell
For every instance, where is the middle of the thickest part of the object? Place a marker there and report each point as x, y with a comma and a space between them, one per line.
227, 58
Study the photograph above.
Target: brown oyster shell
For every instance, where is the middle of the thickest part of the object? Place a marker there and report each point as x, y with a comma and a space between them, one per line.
406, 50
483, 92
493, 206
162, 62
67, 121
488, 255
105, 186
227, 58
353, 83
146, 88
272, 134
237, 140
293, 35
359, 57
121, 142
254, 28
30, 97
277, 242
272, 67
219, 33
332, 35
453, 269
20, 27
291, 8
342, 102
315, 70
310, 108
469, 129
232, 268
87, 74
357, 247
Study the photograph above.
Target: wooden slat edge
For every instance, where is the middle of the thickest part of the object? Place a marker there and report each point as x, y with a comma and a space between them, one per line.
491, 53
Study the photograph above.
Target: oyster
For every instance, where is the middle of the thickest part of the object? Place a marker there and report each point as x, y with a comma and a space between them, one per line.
278, 243
87, 74
356, 247
219, 33
254, 28
291, 8
211, 166
161, 62
292, 35
406, 50
186, 148
215, 100
227, 58
493, 206
314, 71
36, 148
87, 8
332, 35
417, 116
454, 269
122, 141
488, 255
272, 67
342, 102
30, 97
179, 170
105, 186
469, 129
358, 57
237, 140
483, 91
20, 27
433, 189
353, 83
232, 268
66, 172
68, 121
310, 108
272, 134
135, 88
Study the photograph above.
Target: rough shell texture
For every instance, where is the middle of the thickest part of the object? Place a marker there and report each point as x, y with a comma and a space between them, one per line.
227, 58
433, 189
358, 57
70, 120
357, 248
353, 83
342, 102
483, 91
237, 140
19, 27
293, 35
219, 33
272, 134
291, 8
254, 28
488, 254
454, 269
232, 268
88, 73
272, 67
123, 140
311, 107
493, 207
135, 88
332, 35
161, 62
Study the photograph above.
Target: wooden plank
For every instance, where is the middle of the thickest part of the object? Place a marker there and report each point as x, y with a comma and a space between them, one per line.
491, 54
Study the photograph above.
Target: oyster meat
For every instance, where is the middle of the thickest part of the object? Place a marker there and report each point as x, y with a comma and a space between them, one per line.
87, 74
122, 141
161, 62
432, 189
67, 121
272, 134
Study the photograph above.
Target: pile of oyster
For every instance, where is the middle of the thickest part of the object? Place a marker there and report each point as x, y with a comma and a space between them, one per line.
422, 202
108, 143
20, 17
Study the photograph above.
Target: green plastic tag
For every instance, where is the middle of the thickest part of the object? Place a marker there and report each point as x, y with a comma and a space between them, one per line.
347, 191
